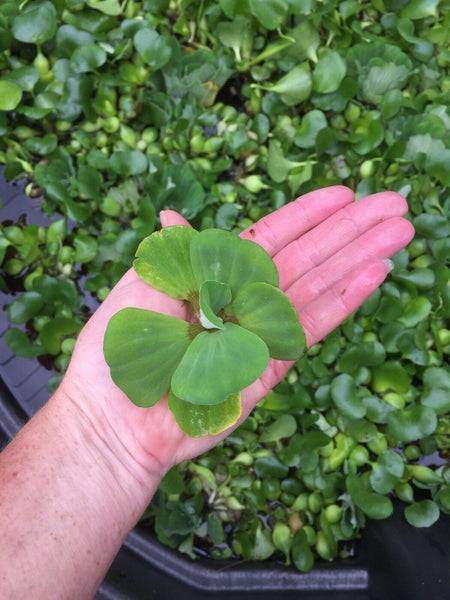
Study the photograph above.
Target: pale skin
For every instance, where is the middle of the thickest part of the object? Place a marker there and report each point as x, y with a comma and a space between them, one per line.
77, 478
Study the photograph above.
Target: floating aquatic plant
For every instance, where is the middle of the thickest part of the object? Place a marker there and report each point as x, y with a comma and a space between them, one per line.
239, 318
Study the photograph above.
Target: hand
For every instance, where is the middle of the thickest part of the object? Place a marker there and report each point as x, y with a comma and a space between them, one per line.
329, 252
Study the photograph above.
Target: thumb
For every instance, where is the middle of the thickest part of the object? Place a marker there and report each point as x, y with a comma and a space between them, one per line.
171, 217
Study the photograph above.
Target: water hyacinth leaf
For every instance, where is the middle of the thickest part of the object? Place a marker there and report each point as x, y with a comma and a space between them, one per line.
270, 466
36, 24
25, 77
18, 341
24, 307
329, 72
213, 296
55, 330
68, 38
436, 394
307, 40
267, 311
222, 256
344, 395
313, 122
422, 514
412, 423
162, 261
374, 505
107, 7
10, 95
197, 420
270, 13
143, 349
42, 145
302, 555
416, 311
419, 9
278, 166
87, 58
386, 472
128, 162
86, 248
284, 427
237, 36
219, 363
294, 87
154, 49
391, 376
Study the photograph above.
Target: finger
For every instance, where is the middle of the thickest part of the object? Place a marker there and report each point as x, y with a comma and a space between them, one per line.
171, 217
296, 218
333, 234
330, 309
382, 241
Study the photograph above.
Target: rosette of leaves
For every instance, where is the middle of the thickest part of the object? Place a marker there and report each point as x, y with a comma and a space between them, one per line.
239, 318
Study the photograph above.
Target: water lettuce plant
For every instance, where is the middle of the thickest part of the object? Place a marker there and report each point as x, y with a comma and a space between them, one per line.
239, 318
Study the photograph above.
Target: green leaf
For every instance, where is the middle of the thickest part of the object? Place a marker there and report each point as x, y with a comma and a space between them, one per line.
283, 427
422, 514
87, 58
197, 420
86, 248
128, 162
236, 35
412, 423
213, 296
270, 13
24, 307
344, 395
107, 7
313, 122
55, 330
329, 72
25, 77
36, 24
69, 38
270, 466
420, 9
302, 555
294, 87
19, 343
172, 482
143, 349
386, 472
391, 376
10, 95
278, 166
436, 394
42, 145
219, 255
267, 311
163, 261
154, 49
375, 506
219, 363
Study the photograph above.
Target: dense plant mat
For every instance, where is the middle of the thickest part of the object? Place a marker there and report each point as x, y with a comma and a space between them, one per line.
225, 111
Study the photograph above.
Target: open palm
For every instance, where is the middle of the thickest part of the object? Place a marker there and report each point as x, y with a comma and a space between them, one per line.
329, 252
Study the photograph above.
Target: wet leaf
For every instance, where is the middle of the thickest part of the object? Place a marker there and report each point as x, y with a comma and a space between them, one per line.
422, 514
412, 423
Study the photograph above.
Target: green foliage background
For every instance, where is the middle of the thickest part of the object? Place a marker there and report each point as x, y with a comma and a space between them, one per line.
225, 111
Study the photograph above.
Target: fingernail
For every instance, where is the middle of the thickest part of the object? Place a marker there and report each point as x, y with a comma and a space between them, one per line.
388, 262
163, 218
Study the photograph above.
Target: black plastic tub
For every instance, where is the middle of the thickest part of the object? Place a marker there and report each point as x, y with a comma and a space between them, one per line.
393, 560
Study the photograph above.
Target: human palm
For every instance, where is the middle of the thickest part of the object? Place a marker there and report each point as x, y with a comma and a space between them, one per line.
329, 252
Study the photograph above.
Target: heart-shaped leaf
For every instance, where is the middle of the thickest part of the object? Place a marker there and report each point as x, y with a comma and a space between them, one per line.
24, 307
266, 311
386, 472
344, 395
213, 296
222, 256
162, 261
375, 506
143, 349
412, 423
154, 49
35, 25
329, 72
10, 95
87, 58
197, 420
422, 514
219, 363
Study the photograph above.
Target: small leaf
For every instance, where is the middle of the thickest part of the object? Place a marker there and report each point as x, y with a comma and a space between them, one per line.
18, 342
143, 349
213, 296
294, 87
128, 162
422, 514
270, 13
284, 427
35, 25
42, 145
267, 311
436, 392
386, 472
219, 255
24, 307
329, 72
270, 466
313, 122
85, 248
55, 330
154, 49
343, 393
162, 261
412, 423
219, 363
302, 555
375, 506
10, 95
87, 58
197, 420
